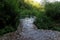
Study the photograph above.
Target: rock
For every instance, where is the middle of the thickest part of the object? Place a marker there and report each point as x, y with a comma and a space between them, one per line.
26, 31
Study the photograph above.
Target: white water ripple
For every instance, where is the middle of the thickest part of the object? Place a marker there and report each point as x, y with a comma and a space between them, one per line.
29, 30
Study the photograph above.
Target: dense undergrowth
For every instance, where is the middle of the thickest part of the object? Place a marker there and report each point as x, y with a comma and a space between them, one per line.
52, 10
9, 16
12, 10
47, 19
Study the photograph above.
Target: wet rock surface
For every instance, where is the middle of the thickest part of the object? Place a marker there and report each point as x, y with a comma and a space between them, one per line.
36, 35
28, 31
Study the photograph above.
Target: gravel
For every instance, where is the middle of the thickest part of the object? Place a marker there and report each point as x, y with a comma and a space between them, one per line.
31, 33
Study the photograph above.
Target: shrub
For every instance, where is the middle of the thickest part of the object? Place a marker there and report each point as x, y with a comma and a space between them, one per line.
53, 10
23, 5
43, 22
44, 18
9, 15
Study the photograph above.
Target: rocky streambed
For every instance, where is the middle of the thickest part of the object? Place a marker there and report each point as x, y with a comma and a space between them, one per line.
28, 31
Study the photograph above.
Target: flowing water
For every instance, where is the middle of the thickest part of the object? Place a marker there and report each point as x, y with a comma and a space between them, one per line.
30, 31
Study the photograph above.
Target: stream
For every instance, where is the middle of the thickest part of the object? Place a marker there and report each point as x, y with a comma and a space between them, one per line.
30, 31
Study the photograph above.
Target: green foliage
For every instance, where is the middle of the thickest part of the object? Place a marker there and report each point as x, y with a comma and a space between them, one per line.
48, 19
9, 15
53, 10
44, 18
43, 22
11, 10
23, 5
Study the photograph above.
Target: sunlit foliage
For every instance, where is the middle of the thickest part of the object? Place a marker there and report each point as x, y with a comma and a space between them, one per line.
35, 3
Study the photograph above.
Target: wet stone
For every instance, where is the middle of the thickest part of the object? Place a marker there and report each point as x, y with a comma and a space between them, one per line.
30, 32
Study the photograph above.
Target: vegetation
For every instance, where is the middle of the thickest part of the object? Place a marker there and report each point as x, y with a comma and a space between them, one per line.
45, 19
50, 19
53, 11
9, 16
12, 10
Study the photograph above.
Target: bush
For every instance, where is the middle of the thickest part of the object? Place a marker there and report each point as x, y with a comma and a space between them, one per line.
42, 21
23, 5
44, 18
53, 10
9, 15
